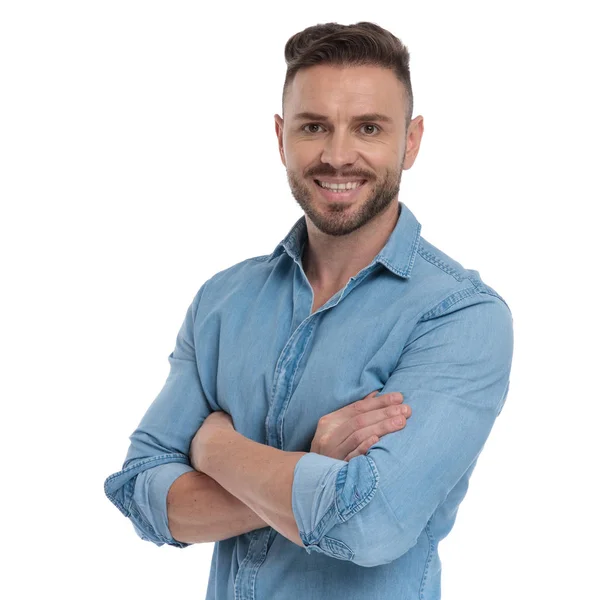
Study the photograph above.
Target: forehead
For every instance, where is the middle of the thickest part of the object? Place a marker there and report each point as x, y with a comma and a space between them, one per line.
334, 90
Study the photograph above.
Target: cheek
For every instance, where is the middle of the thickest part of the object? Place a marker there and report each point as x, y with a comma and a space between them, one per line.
380, 155
300, 156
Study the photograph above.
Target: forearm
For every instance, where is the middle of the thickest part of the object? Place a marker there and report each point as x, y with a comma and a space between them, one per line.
259, 475
200, 510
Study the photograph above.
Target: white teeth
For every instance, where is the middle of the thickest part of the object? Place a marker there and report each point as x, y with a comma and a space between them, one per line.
350, 185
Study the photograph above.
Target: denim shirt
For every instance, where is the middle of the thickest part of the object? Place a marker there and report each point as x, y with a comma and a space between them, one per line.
413, 321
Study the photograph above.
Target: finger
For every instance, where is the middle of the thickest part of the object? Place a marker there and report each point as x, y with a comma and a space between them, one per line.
372, 401
359, 414
366, 412
368, 403
349, 434
363, 448
371, 435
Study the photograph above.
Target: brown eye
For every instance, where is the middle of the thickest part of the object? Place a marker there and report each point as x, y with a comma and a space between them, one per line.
373, 126
310, 125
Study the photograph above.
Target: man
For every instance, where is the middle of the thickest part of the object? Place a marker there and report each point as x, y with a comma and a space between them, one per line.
269, 436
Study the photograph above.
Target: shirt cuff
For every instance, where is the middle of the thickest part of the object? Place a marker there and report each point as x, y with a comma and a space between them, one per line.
150, 498
327, 491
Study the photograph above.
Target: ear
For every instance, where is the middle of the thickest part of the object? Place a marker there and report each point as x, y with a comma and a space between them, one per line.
279, 132
413, 141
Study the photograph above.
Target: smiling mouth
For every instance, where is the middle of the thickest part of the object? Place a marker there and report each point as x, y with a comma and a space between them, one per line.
354, 185
340, 195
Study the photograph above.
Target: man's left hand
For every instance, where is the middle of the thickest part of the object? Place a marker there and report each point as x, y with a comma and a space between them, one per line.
212, 425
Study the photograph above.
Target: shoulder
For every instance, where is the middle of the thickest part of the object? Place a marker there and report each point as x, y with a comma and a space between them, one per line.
445, 282
240, 278
464, 322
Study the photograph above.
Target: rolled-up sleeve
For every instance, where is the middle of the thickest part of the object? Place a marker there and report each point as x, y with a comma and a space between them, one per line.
159, 447
454, 373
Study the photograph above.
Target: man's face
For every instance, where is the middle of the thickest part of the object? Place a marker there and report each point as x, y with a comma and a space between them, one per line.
345, 124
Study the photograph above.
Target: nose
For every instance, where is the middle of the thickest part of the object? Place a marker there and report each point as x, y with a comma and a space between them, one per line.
339, 150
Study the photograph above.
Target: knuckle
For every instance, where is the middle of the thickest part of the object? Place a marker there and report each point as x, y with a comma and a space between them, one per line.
355, 438
392, 411
359, 407
359, 421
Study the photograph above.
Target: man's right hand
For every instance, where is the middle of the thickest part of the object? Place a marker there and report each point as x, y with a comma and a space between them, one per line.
353, 429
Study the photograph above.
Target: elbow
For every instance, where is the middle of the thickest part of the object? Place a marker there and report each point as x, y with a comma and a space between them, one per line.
389, 535
370, 538
381, 535
389, 544
354, 521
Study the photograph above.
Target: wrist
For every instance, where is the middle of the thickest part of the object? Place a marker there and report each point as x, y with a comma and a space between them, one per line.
213, 446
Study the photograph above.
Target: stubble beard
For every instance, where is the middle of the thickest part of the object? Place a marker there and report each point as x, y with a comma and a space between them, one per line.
341, 218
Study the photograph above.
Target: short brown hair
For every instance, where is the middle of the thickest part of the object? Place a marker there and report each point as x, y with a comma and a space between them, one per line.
363, 43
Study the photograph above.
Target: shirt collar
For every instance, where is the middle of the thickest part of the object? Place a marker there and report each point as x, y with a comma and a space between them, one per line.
398, 254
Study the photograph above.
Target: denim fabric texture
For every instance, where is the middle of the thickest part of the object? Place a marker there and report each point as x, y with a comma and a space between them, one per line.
413, 321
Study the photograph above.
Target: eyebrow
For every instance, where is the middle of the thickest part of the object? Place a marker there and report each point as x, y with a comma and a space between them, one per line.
366, 117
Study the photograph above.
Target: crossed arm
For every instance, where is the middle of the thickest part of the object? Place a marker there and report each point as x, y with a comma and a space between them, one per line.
200, 510
453, 373
230, 459
242, 486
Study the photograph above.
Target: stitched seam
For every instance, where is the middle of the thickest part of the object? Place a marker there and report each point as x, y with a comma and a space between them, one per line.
246, 560
427, 562
145, 461
438, 262
284, 405
412, 255
258, 562
317, 533
391, 267
449, 301
279, 367
337, 548
490, 292
145, 525
414, 247
115, 501
350, 512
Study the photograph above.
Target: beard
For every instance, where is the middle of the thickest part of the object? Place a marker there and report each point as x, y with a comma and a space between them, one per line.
339, 218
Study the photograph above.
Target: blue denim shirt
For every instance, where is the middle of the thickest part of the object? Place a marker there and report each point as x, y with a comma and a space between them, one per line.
413, 321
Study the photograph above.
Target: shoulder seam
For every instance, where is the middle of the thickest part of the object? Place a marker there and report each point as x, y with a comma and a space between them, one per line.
451, 299
447, 302
478, 285
438, 262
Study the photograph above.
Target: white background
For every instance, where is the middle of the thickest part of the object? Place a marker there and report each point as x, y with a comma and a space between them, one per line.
138, 157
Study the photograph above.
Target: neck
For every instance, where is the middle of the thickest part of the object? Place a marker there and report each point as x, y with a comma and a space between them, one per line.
329, 261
